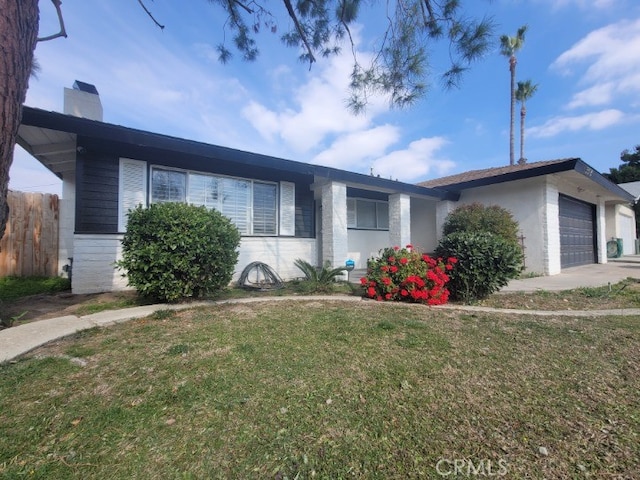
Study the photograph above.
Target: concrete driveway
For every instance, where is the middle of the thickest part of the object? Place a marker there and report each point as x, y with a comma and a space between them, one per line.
595, 275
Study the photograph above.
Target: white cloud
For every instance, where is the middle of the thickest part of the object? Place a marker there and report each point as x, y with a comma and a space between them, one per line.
352, 150
416, 162
585, 4
317, 110
597, 95
612, 59
589, 121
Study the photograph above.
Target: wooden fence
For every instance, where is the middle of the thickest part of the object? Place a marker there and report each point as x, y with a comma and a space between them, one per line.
30, 243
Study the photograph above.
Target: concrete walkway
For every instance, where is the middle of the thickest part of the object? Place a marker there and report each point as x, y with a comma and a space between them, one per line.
596, 275
19, 340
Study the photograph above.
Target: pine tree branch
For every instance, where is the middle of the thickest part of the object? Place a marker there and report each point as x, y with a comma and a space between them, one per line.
302, 34
63, 31
144, 7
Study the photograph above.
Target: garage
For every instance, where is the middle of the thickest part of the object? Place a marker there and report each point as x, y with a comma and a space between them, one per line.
577, 232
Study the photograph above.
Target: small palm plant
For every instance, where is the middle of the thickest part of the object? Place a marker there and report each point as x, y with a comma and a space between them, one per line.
320, 278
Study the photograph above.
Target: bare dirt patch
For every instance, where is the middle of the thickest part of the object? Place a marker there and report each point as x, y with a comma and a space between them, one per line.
41, 307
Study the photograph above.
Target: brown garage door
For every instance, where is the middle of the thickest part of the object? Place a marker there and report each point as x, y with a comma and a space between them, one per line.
577, 232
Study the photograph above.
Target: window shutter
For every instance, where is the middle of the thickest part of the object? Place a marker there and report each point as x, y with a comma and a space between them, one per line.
351, 213
287, 208
132, 188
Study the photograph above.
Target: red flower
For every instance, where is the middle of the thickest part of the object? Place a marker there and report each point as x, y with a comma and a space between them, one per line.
396, 248
403, 261
393, 269
372, 283
386, 280
452, 260
371, 292
363, 280
404, 293
448, 266
409, 246
392, 259
384, 268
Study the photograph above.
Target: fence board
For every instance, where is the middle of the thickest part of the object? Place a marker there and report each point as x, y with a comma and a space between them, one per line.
30, 243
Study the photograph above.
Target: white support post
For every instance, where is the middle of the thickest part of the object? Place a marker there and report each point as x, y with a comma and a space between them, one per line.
334, 223
399, 219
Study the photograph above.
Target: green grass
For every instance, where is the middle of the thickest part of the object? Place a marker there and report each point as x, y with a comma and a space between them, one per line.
320, 389
12, 288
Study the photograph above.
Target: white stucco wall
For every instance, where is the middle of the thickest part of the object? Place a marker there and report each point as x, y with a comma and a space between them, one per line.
526, 201
424, 233
364, 244
66, 219
93, 270
277, 252
620, 223
551, 227
626, 228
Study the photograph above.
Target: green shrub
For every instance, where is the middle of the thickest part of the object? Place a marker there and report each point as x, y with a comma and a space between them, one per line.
486, 262
319, 279
478, 218
174, 250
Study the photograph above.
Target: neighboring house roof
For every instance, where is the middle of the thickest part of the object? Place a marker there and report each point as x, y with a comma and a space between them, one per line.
116, 134
632, 187
490, 176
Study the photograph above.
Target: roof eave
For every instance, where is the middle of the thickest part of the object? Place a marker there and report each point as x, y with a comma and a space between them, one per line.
141, 138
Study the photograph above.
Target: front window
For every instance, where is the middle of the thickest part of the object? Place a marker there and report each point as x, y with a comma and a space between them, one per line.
367, 214
251, 205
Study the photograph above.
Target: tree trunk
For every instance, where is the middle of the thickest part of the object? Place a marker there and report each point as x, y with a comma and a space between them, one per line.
523, 114
512, 125
18, 36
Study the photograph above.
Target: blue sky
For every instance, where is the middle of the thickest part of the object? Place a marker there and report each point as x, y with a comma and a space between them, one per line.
584, 54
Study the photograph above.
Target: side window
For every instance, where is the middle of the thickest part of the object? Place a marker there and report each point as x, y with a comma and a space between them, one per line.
168, 186
367, 214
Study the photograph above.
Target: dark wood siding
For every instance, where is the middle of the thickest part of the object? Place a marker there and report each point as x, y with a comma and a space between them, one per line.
97, 177
305, 208
97, 193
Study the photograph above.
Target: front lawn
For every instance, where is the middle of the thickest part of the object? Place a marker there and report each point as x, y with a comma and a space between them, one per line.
327, 390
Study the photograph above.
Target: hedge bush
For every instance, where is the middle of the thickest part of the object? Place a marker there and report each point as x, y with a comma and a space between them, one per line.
486, 262
173, 251
479, 218
402, 274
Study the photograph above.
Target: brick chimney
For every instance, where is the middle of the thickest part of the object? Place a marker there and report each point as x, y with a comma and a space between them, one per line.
83, 101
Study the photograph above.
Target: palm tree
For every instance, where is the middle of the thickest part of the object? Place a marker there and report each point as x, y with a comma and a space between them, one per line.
525, 91
509, 46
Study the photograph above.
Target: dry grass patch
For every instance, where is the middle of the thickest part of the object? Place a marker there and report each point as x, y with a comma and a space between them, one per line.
327, 390
625, 294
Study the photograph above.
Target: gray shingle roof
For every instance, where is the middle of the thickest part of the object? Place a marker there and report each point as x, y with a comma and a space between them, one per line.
487, 173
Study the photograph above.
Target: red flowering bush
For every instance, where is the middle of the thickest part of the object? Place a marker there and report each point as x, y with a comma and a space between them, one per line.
403, 274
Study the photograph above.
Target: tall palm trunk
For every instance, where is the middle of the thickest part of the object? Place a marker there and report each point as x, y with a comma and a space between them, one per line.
18, 36
523, 114
512, 68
